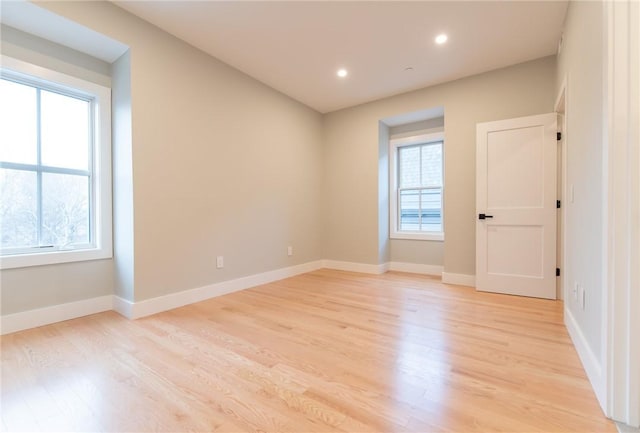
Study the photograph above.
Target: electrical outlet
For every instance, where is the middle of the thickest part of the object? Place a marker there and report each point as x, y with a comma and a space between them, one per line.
289, 250
582, 297
220, 262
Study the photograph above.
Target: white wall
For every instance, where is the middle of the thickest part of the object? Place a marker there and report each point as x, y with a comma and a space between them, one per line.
581, 62
352, 211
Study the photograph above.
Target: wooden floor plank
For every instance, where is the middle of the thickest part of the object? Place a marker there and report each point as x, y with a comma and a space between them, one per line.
326, 351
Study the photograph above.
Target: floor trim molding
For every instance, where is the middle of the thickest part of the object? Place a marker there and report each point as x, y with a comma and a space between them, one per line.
416, 268
459, 279
135, 310
56, 313
147, 307
624, 428
364, 268
588, 359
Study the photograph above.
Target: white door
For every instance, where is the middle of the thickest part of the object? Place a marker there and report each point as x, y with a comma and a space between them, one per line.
516, 206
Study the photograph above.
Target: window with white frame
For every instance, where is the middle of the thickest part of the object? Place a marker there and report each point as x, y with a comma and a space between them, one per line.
55, 167
417, 187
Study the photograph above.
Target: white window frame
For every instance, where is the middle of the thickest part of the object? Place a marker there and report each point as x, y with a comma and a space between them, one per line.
394, 145
101, 246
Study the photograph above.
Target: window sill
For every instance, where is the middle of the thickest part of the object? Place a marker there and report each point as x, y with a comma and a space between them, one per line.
418, 236
52, 258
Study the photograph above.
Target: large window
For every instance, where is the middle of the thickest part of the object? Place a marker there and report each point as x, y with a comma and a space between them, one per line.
55, 184
417, 187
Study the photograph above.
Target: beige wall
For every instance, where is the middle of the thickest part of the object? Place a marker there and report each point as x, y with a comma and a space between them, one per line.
581, 63
351, 160
384, 243
419, 252
222, 164
41, 286
32, 49
122, 157
408, 250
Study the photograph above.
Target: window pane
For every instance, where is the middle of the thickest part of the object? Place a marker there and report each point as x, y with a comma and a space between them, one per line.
65, 131
18, 120
409, 166
409, 210
431, 210
18, 208
432, 165
65, 209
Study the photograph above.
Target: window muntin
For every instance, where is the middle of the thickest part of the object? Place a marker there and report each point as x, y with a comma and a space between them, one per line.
46, 179
55, 179
417, 187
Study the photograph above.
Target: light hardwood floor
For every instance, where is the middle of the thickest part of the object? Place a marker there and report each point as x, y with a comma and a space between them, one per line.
321, 352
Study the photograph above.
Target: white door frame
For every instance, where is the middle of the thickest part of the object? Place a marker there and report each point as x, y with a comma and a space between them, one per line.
621, 231
560, 107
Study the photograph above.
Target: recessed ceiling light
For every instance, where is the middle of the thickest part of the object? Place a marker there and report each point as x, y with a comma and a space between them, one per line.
441, 39
342, 73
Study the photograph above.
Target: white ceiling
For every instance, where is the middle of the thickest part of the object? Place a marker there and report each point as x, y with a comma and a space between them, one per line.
297, 46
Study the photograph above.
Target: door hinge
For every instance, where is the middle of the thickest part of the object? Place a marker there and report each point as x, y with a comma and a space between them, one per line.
558, 136
558, 204
557, 272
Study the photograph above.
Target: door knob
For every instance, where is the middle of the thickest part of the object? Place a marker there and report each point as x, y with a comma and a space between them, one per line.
483, 216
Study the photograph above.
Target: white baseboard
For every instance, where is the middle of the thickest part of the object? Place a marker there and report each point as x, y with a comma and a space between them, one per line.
624, 428
147, 307
364, 268
381, 268
123, 306
135, 310
589, 360
416, 268
56, 313
459, 279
